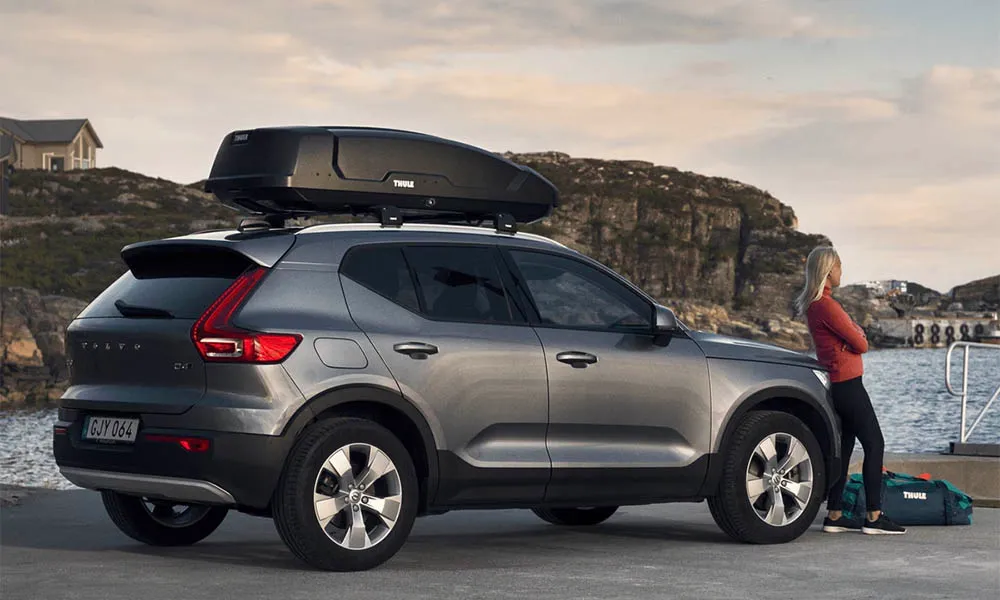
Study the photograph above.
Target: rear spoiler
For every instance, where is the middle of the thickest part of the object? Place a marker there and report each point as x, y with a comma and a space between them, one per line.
263, 249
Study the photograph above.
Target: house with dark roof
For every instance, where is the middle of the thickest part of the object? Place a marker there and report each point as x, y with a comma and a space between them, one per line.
51, 145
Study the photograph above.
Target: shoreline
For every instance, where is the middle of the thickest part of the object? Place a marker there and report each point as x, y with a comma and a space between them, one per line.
14, 495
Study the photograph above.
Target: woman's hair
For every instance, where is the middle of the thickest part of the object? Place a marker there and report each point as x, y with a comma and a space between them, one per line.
819, 264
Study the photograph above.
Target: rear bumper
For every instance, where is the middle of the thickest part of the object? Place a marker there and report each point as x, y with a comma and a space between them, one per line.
150, 486
238, 469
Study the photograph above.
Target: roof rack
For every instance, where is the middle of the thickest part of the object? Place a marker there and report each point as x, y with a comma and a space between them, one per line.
389, 216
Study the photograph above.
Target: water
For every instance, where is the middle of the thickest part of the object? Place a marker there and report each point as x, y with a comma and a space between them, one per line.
906, 386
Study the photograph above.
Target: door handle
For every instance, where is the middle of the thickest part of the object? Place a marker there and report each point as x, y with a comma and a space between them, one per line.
417, 350
578, 360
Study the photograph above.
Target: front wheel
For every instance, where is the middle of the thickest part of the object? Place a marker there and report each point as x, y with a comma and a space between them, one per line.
773, 480
575, 516
162, 523
348, 497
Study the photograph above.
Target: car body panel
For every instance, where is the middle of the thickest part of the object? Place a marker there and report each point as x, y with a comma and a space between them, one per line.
486, 387
721, 346
642, 405
735, 382
503, 423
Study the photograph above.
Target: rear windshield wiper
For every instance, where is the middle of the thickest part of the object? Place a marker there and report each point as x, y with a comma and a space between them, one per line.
131, 310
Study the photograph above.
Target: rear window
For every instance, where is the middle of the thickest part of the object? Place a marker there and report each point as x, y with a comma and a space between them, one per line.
383, 270
459, 283
449, 283
183, 282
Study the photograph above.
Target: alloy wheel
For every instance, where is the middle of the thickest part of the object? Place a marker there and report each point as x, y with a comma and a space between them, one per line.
779, 479
357, 496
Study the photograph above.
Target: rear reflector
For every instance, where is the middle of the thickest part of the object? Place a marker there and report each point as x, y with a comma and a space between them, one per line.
190, 444
60, 430
218, 340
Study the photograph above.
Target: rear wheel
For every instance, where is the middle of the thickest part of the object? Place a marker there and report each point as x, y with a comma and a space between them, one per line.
348, 497
576, 516
162, 523
773, 480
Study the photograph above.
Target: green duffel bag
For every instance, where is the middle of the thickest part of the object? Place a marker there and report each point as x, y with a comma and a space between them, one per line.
910, 500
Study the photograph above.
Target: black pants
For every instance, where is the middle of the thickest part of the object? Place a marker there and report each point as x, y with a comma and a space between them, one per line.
858, 420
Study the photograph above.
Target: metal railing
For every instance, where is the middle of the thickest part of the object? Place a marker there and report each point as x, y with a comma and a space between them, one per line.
964, 393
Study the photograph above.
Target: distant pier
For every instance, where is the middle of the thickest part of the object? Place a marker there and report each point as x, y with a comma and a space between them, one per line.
936, 332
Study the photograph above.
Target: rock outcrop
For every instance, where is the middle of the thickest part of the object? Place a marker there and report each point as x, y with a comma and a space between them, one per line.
32, 345
728, 250
982, 294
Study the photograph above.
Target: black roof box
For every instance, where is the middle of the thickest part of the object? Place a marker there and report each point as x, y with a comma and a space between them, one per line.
297, 171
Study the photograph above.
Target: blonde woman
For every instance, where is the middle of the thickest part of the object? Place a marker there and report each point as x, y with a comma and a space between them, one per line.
839, 344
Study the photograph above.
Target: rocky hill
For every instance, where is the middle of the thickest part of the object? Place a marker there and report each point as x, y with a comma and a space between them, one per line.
977, 298
64, 231
982, 294
32, 334
727, 256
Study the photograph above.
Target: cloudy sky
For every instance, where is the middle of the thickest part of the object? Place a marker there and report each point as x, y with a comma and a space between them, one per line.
878, 121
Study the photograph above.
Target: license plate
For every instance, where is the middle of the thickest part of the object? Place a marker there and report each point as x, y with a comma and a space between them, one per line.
110, 429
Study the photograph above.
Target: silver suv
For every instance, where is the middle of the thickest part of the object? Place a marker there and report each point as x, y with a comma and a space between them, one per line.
347, 379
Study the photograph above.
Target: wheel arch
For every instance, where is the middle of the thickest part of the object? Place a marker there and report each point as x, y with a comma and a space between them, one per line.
387, 408
791, 401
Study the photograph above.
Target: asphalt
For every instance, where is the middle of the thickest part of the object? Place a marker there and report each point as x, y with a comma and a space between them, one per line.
59, 545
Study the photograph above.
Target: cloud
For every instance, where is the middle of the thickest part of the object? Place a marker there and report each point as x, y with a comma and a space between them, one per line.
939, 127
940, 235
164, 81
390, 31
905, 181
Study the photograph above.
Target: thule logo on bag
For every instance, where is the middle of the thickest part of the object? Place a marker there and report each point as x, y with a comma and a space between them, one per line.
402, 183
915, 495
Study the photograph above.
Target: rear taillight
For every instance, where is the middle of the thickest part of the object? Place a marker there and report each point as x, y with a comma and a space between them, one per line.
218, 340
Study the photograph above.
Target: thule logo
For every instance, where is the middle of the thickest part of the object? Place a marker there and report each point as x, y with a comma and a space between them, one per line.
402, 183
915, 495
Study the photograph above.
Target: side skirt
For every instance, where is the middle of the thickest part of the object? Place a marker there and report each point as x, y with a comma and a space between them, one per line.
463, 486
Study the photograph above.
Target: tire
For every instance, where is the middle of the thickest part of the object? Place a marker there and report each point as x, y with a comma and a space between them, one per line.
354, 445
149, 522
575, 517
919, 328
918, 339
731, 506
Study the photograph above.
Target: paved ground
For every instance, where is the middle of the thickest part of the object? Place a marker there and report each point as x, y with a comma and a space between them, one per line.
61, 545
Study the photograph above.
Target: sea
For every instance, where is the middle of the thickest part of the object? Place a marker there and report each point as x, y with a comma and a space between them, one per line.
907, 388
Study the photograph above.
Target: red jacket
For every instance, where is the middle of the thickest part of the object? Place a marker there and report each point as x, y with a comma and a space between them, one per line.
839, 341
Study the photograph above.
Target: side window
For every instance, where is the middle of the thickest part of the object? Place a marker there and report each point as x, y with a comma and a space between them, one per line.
382, 269
459, 283
568, 293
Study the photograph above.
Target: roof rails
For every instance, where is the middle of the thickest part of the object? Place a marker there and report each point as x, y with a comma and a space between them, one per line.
389, 216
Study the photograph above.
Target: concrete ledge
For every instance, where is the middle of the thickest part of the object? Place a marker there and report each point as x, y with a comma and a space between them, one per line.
977, 476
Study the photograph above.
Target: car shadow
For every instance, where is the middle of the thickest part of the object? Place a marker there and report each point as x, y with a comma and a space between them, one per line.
524, 546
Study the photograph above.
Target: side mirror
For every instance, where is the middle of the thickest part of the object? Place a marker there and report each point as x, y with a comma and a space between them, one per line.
666, 321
